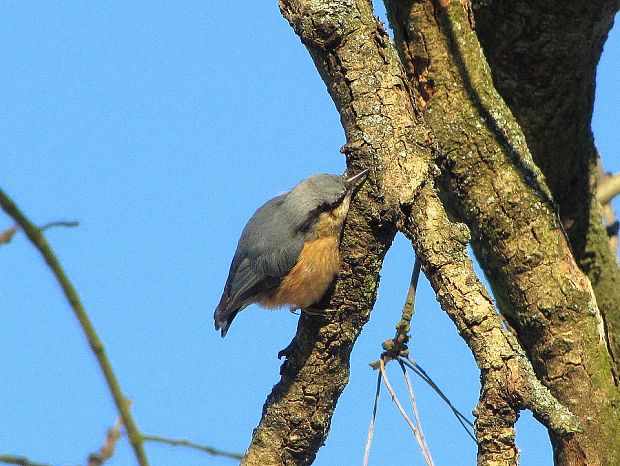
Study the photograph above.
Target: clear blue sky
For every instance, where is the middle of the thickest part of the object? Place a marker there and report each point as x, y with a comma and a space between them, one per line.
161, 127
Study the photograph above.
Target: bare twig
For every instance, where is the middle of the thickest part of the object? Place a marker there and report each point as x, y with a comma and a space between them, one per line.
36, 236
416, 368
60, 223
416, 433
608, 188
188, 444
107, 449
20, 460
397, 346
7, 235
414, 406
611, 223
371, 428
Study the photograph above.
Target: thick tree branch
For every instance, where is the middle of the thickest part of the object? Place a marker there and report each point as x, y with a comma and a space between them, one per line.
364, 77
494, 186
509, 383
37, 237
544, 57
357, 62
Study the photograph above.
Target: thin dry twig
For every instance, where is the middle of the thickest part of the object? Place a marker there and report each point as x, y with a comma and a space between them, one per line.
371, 428
20, 460
37, 237
414, 406
188, 444
7, 234
416, 434
395, 348
109, 445
417, 369
59, 223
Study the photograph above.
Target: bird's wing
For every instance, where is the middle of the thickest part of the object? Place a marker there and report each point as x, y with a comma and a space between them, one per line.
268, 249
249, 282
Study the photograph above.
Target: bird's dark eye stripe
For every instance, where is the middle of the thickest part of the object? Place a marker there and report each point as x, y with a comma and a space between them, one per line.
338, 201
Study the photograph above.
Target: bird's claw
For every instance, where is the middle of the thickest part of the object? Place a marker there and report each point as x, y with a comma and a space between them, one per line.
313, 311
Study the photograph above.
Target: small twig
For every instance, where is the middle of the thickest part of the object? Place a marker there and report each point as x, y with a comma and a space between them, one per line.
416, 434
7, 234
397, 346
188, 444
371, 428
414, 406
20, 460
36, 236
107, 449
415, 367
60, 223
608, 188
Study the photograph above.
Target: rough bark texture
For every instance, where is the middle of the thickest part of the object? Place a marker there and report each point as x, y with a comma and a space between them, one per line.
494, 186
509, 383
364, 76
544, 57
298, 412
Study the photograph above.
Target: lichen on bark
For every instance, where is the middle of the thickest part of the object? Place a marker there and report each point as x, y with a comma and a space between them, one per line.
491, 183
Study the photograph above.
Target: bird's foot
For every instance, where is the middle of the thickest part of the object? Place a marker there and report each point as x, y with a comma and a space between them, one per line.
313, 311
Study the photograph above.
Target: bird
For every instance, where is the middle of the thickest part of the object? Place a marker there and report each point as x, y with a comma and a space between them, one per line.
288, 253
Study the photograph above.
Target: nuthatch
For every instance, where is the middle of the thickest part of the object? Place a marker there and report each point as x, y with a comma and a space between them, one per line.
288, 251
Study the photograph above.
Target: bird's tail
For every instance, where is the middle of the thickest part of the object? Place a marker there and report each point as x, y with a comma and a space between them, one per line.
224, 315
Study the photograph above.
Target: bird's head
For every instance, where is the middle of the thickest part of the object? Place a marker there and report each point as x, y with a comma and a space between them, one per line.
323, 197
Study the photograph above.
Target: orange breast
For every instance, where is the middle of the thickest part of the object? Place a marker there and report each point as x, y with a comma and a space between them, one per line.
306, 283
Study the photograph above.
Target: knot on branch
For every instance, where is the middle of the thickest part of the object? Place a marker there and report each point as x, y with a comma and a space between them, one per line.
396, 347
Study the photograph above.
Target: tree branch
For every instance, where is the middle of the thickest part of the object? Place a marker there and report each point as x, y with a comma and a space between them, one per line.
509, 383
491, 183
364, 77
608, 188
545, 69
371, 428
37, 238
196, 446
106, 451
59, 223
20, 461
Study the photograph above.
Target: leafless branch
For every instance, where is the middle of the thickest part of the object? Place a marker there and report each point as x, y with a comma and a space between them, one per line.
608, 188
417, 369
421, 443
37, 237
188, 444
20, 460
414, 406
371, 428
60, 223
109, 445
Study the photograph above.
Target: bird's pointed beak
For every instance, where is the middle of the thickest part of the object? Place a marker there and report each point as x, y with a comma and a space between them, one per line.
356, 180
